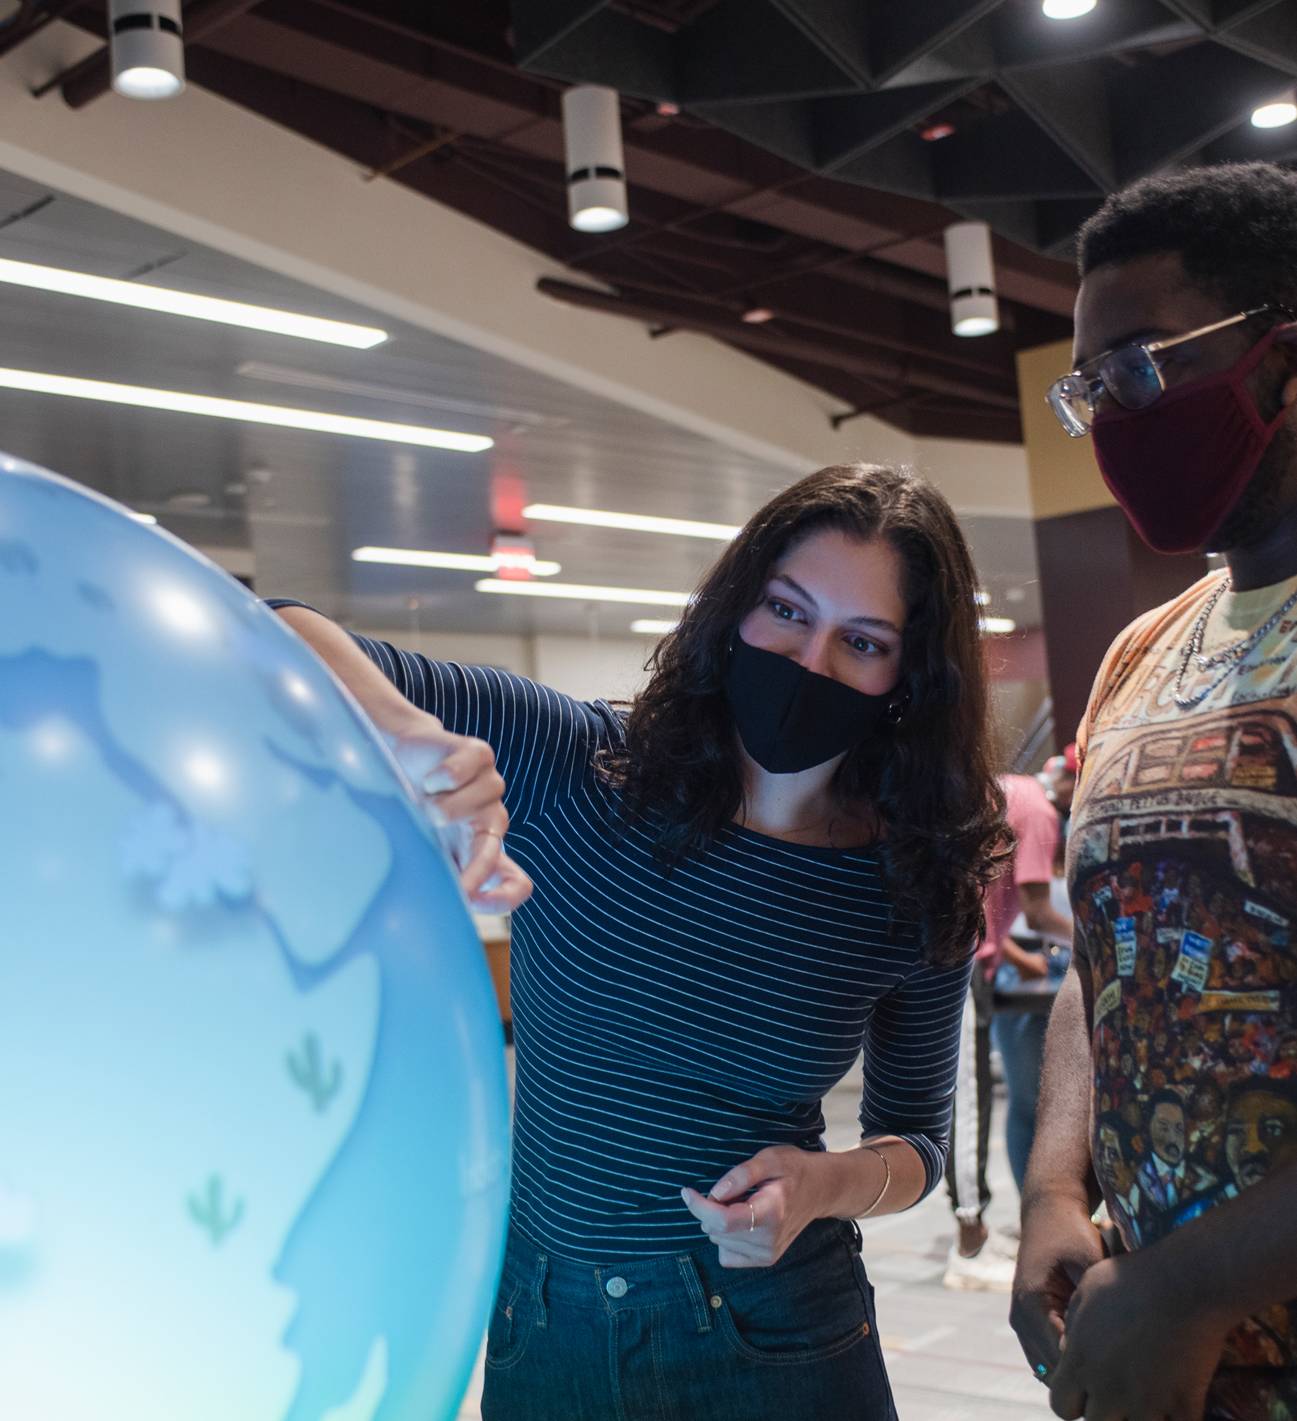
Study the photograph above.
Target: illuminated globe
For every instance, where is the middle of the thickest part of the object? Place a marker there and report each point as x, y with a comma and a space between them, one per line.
253, 1109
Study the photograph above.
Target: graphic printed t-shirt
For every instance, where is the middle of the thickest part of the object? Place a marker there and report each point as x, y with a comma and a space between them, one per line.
1034, 822
1182, 867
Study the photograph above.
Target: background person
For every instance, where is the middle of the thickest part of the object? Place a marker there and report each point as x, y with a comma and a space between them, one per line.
978, 1260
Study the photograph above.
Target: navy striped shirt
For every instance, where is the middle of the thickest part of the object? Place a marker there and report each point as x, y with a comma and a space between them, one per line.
668, 1028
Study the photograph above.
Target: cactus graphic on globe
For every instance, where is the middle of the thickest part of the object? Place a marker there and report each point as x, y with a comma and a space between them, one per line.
253, 1106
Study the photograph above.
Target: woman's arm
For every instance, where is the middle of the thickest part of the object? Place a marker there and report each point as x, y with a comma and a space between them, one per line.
454, 775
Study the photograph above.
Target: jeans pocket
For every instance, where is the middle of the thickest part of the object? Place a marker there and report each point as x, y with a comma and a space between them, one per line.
509, 1330
794, 1316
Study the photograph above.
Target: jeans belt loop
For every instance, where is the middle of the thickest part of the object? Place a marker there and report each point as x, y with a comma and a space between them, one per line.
697, 1293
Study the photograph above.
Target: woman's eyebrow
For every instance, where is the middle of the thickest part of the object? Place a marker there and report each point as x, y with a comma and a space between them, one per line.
851, 621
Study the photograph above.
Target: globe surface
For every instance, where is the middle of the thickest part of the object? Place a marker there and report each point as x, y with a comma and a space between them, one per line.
253, 1106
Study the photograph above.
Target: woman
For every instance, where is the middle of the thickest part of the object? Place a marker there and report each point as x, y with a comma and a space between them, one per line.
773, 859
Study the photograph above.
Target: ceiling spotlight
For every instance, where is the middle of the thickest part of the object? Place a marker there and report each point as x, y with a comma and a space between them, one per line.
758, 315
1277, 114
148, 49
970, 274
666, 109
648, 626
596, 174
935, 132
1067, 9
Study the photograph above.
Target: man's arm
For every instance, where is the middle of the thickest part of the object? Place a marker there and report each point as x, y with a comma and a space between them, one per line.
1059, 1242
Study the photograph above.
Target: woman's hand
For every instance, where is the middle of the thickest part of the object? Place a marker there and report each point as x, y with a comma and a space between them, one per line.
462, 793
790, 1188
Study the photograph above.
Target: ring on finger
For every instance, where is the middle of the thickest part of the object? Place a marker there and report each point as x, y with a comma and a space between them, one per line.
1042, 1373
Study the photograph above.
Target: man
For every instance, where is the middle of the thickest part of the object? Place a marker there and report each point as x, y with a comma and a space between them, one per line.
1114, 1151
1260, 1130
1167, 1177
1186, 377
978, 1261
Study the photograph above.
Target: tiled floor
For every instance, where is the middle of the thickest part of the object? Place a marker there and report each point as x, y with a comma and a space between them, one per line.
951, 1356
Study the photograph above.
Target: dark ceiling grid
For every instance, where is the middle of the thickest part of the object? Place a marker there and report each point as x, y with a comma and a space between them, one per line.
795, 176
1082, 123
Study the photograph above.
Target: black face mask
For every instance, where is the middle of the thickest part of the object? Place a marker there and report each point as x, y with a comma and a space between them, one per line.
790, 719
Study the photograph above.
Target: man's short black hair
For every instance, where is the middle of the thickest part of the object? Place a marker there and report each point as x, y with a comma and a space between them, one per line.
1283, 1088
1234, 226
1166, 1096
1111, 1120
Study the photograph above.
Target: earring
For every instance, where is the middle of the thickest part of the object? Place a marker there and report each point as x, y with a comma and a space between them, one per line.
896, 709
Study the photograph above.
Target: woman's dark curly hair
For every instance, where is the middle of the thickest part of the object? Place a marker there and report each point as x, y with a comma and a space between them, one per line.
929, 780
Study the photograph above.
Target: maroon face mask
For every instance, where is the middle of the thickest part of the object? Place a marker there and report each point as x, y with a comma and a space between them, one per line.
1179, 467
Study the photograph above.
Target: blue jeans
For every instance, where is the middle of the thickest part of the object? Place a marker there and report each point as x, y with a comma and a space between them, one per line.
677, 1337
1019, 1037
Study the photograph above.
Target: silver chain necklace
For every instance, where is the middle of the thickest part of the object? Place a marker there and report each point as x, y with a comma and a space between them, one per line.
1231, 658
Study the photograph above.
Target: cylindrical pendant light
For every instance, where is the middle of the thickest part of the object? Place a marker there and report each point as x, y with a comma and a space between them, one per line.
970, 275
596, 176
148, 48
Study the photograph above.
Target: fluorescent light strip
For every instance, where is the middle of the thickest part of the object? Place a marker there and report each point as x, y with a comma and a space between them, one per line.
183, 303
180, 402
997, 626
456, 562
578, 592
646, 626
635, 522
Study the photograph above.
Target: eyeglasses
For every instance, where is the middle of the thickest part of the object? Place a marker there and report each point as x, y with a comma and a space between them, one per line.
1131, 375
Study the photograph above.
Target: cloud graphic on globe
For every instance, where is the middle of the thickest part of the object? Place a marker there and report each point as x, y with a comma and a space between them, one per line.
187, 865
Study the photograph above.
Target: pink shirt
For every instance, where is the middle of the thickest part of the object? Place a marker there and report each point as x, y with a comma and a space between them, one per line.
1034, 821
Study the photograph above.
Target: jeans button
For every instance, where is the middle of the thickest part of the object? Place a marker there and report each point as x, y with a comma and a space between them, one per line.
616, 1287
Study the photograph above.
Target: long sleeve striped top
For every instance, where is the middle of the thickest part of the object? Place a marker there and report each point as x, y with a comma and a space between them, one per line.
669, 1027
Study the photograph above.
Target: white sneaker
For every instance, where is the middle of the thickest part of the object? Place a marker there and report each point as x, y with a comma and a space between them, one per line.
987, 1271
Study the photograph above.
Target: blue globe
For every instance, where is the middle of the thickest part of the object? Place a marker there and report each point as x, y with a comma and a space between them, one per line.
253, 1106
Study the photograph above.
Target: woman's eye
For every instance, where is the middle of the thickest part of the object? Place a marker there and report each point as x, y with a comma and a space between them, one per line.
781, 610
863, 644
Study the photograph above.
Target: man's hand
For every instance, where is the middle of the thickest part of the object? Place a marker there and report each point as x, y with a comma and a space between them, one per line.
1136, 1345
1059, 1245
462, 793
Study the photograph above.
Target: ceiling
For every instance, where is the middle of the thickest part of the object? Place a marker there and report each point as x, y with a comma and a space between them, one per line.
289, 507
773, 150
434, 96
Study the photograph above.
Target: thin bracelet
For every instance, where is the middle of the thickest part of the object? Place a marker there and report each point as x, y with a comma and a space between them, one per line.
887, 1179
